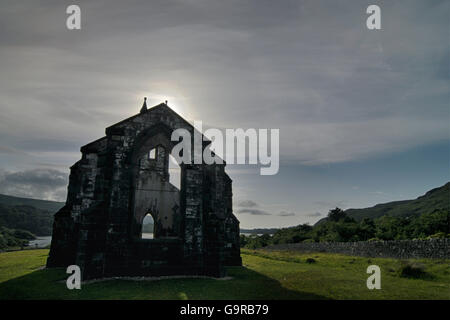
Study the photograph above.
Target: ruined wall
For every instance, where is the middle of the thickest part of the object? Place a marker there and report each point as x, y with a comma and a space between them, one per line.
115, 184
399, 249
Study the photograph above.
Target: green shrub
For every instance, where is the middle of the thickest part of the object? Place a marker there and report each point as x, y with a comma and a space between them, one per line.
413, 270
9, 238
23, 234
438, 235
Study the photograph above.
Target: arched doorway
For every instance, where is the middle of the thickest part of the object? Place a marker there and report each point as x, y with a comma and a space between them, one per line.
148, 227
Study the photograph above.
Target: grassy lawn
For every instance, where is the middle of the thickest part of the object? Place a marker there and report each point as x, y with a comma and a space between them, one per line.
265, 275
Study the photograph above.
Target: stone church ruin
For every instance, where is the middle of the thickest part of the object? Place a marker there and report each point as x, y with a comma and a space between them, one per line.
124, 176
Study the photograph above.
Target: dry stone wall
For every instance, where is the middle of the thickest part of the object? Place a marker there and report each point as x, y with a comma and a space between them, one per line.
399, 249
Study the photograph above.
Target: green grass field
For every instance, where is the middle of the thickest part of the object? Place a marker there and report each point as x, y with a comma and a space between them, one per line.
265, 275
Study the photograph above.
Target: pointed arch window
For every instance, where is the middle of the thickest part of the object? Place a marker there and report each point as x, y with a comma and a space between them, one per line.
148, 227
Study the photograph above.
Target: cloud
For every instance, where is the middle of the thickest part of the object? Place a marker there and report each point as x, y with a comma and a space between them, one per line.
248, 207
337, 91
331, 204
256, 212
9, 150
47, 184
247, 204
313, 215
286, 214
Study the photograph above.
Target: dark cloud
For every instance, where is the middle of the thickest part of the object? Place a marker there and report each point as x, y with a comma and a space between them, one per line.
46, 145
286, 214
247, 204
313, 215
45, 184
256, 212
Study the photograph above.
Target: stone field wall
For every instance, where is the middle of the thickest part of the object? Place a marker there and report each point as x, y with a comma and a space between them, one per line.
400, 249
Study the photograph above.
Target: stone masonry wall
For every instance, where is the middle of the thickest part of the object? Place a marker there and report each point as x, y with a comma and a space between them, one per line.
400, 249
116, 183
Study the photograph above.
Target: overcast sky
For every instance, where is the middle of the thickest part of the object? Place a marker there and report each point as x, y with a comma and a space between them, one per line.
363, 114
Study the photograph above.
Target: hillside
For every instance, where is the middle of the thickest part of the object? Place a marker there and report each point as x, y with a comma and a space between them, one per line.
260, 231
35, 216
34, 220
435, 199
51, 206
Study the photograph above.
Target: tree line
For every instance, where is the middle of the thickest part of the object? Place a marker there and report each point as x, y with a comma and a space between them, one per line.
339, 227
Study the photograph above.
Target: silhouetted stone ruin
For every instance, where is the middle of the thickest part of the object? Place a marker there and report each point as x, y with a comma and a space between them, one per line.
124, 176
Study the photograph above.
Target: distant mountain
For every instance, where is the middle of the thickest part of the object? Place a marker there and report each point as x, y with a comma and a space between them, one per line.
34, 220
35, 216
47, 205
435, 199
259, 231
